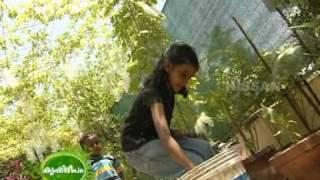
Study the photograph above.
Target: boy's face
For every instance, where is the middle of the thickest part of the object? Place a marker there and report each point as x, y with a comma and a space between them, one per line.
94, 145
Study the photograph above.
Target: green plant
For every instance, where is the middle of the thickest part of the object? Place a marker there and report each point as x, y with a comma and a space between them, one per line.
286, 129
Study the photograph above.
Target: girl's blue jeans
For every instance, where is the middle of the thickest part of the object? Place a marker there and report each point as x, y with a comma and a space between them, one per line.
153, 159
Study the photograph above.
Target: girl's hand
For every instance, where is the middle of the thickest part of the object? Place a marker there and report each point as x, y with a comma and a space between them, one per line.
190, 167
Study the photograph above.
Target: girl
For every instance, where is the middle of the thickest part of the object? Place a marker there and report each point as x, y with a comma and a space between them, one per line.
147, 140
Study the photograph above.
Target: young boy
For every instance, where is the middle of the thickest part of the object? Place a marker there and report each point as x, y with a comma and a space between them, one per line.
106, 167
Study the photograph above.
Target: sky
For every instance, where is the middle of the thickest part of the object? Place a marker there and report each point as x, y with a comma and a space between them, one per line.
160, 5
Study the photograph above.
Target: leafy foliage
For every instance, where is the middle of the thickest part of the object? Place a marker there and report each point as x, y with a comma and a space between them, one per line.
65, 64
139, 30
304, 16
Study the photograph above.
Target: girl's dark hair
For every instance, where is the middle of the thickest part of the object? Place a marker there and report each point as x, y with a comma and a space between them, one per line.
177, 53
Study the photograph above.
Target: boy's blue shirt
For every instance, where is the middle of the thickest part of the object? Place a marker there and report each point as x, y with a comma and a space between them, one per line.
105, 167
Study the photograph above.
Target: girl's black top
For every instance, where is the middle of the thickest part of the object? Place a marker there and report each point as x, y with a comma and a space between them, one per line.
139, 127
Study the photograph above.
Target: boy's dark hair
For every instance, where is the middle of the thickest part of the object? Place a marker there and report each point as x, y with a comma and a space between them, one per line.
84, 137
177, 53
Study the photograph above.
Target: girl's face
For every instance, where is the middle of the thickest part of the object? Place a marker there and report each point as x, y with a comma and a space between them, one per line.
179, 75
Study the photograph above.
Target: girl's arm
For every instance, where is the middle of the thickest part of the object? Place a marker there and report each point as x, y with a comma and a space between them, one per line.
161, 125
